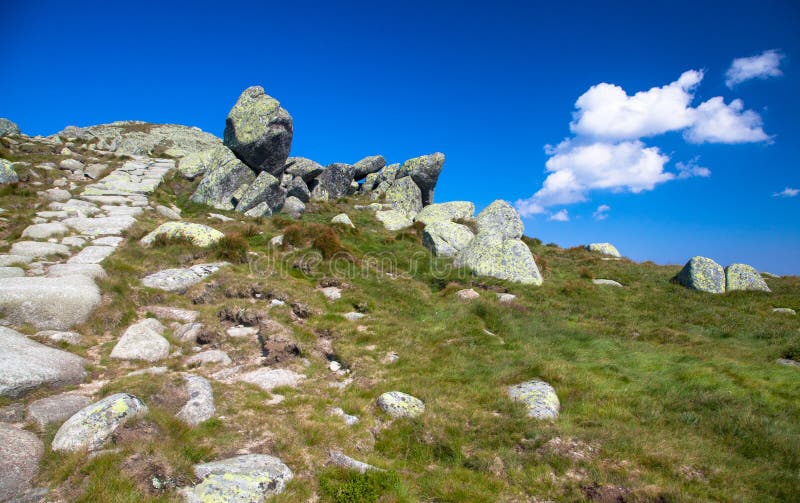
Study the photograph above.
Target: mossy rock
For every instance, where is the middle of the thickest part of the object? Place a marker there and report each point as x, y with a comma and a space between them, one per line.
92, 426
453, 210
500, 219
405, 196
224, 176
538, 397
195, 164
393, 220
199, 234
398, 404
424, 170
702, 274
744, 277
241, 479
508, 259
7, 173
445, 238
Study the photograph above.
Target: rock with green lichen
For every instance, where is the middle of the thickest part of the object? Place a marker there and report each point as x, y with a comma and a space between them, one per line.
367, 166
393, 220
259, 131
370, 182
702, 274
424, 170
265, 189
333, 183
92, 426
7, 173
744, 277
7, 128
405, 196
304, 168
142, 138
538, 397
241, 479
195, 164
454, 210
398, 404
500, 219
199, 234
604, 248
508, 259
446, 239
224, 176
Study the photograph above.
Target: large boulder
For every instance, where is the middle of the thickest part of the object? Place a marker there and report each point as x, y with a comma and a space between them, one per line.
298, 188
142, 341
25, 364
333, 183
508, 259
744, 277
198, 234
223, 177
604, 248
500, 219
7, 173
538, 397
48, 303
242, 479
368, 165
20, 454
265, 189
259, 131
454, 210
446, 239
393, 220
405, 196
304, 168
702, 274
7, 128
424, 170
93, 425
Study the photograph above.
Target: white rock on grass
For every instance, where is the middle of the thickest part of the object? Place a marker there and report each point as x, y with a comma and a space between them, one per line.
208, 357
784, 310
348, 419
45, 231
48, 303
607, 282
604, 248
142, 341
538, 397
167, 212
331, 292
398, 404
269, 378
240, 331
343, 219
55, 409
93, 425
200, 406
242, 479
342, 460
37, 249
20, 454
467, 294
506, 297
353, 316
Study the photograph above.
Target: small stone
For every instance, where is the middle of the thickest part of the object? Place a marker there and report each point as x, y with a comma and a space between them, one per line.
71, 165
92, 255
188, 332
208, 357
606, 282
60, 336
393, 220
172, 313
200, 406
506, 297
353, 316
340, 459
468, 294
347, 418
142, 341
93, 271
45, 231
331, 292
167, 212
784, 310
241, 331
343, 219
334, 366
276, 241
390, 357
538, 397
221, 218
398, 404
38, 249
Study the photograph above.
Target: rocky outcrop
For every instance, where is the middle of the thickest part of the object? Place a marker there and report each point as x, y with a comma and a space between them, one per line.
424, 170
446, 239
223, 178
744, 277
405, 196
333, 182
454, 210
265, 189
306, 169
259, 131
367, 166
604, 248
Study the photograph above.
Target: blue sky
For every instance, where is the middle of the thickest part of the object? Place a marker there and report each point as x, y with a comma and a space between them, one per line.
489, 84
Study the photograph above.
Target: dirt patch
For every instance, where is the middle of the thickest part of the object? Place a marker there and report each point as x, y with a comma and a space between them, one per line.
570, 448
302, 311
605, 494
172, 396
136, 433
152, 475
242, 316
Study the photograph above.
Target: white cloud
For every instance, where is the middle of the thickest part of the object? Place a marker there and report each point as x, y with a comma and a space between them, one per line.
691, 169
787, 192
716, 122
606, 111
560, 216
765, 65
601, 213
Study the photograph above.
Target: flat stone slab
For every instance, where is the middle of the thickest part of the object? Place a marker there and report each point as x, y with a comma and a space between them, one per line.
9, 260
180, 280
242, 479
108, 241
25, 364
200, 406
208, 357
44, 231
94, 271
38, 249
55, 409
93, 425
100, 226
269, 379
48, 303
20, 454
607, 282
172, 313
92, 255
398, 404
11, 272
538, 397
142, 341
340, 459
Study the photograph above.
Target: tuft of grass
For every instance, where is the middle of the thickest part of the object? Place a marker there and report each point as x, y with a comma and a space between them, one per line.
231, 248
346, 486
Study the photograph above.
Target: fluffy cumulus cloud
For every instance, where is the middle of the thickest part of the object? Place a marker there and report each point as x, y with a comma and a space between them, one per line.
607, 151
601, 213
763, 66
787, 192
560, 216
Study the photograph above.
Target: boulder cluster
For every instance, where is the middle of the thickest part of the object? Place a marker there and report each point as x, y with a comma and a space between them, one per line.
705, 275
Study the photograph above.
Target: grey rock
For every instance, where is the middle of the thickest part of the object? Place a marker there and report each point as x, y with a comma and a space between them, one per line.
94, 271
398, 404
293, 207
604, 248
8, 128
91, 427
500, 219
108, 241
60, 336
242, 479
71, 165
304, 168
38, 249
20, 454
195, 164
225, 175
784, 310
101, 226
44, 231
259, 131
539, 398
338, 458
73, 241
269, 378
167, 212
142, 341
26, 364
179, 280
508, 259
446, 239
744, 277
48, 303
11, 272
265, 189
188, 332
7, 173
454, 210
368, 165
506, 297
333, 183
353, 316
343, 219
467, 294
405, 196
606, 282
95, 171
702, 274
208, 357
172, 313
14, 413
200, 406
58, 195
298, 188
393, 220
348, 419
424, 170
9, 260
55, 409
91, 255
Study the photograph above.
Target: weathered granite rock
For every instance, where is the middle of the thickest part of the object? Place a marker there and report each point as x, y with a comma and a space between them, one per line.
343, 219
44, 231
55, 409
340, 459
168, 213
445, 238
38, 249
298, 188
60, 336
424, 170
48, 303
224, 176
141, 138
199, 234
7, 173
348, 419
11, 272
265, 189
94, 271
368, 165
333, 183
58, 195
538, 397
195, 164
293, 207
101, 226
20, 454
259, 131
454, 210
393, 220
142, 341
268, 378
9, 260
744, 277
71, 165
25, 364
8, 128
172, 313
604, 248
304, 168
405, 196
200, 406
500, 219
467, 294
208, 357
188, 332
92, 426
242, 479
702, 274
398, 404
91, 255
508, 259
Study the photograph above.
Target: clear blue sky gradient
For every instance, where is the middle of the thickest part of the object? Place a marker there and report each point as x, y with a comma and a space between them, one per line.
489, 84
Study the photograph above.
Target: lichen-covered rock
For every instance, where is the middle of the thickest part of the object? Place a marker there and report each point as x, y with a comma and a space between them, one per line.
142, 138
500, 219
224, 176
405, 196
333, 183
744, 277
7, 173
20, 454
398, 404
424, 170
298, 188
538, 397
604, 248
294, 207
54, 409
265, 189
92, 426
702, 274
454, 210
367, 166
259, 131
393, 220
48, 303
200, 406
242, 479
304, 168
195, 164
199, 234
8, 128
507, 259
142, 341
446, 239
